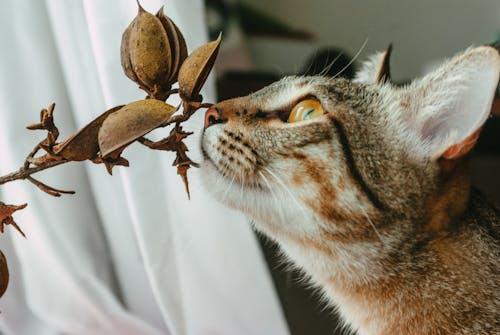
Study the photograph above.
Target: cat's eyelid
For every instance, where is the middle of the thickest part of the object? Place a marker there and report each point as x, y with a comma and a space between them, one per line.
286, 99
288, 107
313, 97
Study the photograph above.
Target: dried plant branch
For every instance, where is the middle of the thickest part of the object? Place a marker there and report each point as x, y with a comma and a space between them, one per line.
48, 189
154, 55
24, 173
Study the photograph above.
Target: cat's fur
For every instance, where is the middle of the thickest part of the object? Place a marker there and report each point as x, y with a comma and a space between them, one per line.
372, 199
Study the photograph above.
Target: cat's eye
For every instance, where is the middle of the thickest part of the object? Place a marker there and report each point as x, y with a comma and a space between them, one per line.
305, 110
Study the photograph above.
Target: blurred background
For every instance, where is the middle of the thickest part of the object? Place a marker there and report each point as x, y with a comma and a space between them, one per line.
266, 40
129, 254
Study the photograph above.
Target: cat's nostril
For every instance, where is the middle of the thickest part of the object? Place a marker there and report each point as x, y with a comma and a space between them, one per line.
213, 116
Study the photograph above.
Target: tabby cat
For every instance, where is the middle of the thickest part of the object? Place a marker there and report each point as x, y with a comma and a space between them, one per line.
364, 186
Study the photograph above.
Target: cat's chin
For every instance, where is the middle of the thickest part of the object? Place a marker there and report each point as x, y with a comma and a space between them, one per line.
274, 216
222, 188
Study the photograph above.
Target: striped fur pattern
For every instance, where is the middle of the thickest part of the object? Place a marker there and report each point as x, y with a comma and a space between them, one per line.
361, 199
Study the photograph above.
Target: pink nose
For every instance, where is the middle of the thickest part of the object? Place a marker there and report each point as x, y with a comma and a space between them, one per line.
213, 116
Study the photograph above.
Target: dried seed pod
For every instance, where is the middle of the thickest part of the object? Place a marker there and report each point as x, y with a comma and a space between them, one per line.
131, 122
125, 54
4, 274
146, 55
177, 44
83, 144
195, 69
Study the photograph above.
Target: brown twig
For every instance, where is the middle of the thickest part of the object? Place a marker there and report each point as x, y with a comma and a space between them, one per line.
189, 108
48, 189
155, 93
24, 173
44, 162
30, 156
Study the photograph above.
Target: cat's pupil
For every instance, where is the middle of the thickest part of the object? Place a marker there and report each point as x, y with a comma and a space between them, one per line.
305, 110
308, 114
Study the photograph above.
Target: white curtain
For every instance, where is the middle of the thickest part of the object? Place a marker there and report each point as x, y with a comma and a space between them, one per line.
128, 254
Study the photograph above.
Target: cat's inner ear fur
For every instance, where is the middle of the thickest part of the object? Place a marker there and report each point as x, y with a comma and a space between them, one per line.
376, 69
444, 111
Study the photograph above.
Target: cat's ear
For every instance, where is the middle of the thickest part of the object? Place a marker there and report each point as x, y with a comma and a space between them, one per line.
447, 108
376, 69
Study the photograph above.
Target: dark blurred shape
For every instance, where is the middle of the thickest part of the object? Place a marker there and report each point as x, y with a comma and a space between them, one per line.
252, 21
489, 140
495, 109
218, 14
237, 84
258, 23
496, 45
326, 62
330, 62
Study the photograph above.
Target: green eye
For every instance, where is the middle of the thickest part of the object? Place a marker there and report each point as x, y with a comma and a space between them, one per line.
305, 110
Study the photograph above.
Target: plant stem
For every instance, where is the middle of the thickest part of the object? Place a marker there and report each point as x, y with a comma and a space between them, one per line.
24, 173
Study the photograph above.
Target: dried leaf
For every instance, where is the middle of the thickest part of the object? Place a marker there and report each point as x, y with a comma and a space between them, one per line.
195, 69
146, 54
6, 212
131, 122
4, 274
84, 144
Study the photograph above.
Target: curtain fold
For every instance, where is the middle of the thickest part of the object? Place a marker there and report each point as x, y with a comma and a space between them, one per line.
128, 254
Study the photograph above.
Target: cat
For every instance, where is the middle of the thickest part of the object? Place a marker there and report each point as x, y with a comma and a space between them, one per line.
364, 186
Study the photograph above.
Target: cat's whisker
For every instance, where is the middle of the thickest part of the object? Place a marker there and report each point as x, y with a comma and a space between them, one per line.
243, 185
353, 58
278, 69
228, 189
371, 224
313, 81
219, 181
328, 67
310, 64
281, 215
223, 175
310, 83
299, 205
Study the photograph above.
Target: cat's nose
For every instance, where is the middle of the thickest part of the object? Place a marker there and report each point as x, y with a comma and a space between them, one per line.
213, 116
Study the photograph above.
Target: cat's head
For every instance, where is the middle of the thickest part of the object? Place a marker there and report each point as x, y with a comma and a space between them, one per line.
352, 154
